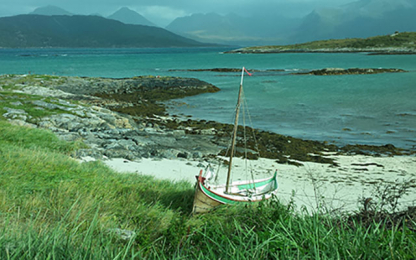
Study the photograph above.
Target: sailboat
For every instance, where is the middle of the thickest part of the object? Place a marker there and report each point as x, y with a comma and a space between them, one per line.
208, 195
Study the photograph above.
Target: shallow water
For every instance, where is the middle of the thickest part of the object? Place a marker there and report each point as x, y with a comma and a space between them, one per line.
365, 109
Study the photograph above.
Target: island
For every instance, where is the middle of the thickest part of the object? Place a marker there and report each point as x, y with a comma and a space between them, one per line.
394, 44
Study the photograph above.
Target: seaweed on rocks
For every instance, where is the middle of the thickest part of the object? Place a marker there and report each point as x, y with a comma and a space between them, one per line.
141, 130
143, 97
374, 150
138, 96
285, 149
351, 71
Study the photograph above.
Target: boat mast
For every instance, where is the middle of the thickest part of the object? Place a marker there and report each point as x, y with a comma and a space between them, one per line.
234, 131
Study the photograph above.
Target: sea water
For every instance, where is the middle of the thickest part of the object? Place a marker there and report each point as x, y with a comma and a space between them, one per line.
374, 109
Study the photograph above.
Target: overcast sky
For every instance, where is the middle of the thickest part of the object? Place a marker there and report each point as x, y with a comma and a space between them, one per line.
162, 12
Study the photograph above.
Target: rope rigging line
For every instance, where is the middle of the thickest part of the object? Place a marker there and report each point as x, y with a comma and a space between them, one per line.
245, 111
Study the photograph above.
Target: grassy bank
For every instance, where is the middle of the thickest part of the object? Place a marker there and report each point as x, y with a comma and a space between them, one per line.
403, 41
52, 206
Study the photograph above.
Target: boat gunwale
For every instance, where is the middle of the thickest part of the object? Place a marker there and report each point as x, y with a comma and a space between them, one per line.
200, 183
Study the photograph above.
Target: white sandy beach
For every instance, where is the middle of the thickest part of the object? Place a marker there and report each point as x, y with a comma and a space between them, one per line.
312, 185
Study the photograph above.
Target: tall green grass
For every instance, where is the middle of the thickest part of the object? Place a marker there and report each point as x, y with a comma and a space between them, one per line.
53, 207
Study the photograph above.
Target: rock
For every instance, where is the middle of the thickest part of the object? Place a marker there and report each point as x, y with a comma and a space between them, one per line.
123, 234
17, 103
79, 113
121, 154
19, 122
122, 144
207, 131
170, 154
43, 91
150, 130
92, 153
16, 114
44, 104
14, 111
67, 121
339, 71
178, 132
70, 137
182, 155
200, 165
197, 155
66, 103
109, 118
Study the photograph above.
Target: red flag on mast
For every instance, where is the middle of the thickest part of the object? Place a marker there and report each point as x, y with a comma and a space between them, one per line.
247, 71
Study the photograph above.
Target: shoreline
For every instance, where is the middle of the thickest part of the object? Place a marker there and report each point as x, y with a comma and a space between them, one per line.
277, 51
312, 186
122, 119
164, 146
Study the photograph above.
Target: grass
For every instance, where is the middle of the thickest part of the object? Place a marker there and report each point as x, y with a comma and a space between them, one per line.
405, 40
54, 207
24, 102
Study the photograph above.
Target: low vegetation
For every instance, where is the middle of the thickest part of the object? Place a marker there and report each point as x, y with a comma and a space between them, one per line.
396, 40
52, 206
55, 207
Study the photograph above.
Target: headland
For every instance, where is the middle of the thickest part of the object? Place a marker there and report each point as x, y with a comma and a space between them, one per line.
124, 123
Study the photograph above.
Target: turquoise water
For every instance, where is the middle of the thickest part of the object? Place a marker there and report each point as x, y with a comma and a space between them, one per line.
367, 109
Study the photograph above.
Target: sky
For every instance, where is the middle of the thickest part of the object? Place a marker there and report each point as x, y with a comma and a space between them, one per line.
162, 12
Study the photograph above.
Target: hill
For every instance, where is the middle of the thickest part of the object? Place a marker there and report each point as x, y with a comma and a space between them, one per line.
50, 10
24, 31
394, 43
128, 16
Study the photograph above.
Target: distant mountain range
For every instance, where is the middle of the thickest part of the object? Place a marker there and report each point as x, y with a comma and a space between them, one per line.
128, 16
23, 31
124, 15
363, 18
50, 10
359, 19
234, 29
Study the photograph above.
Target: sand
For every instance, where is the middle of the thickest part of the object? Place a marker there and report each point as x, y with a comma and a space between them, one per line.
312, 186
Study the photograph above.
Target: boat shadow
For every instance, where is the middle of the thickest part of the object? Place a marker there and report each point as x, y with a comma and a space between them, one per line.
178, 200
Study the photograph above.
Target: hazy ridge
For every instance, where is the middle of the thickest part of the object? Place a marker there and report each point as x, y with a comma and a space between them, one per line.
394, 43
24, 31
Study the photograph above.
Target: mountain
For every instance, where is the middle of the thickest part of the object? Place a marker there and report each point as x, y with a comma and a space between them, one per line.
128, 16
83, 31
363, 18
233, 29
50, 10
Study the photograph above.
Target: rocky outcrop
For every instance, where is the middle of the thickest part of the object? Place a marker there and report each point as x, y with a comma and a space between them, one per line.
180, 87
135, 96
108, 133
226, 70
370, 51
340, 71
111, 134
